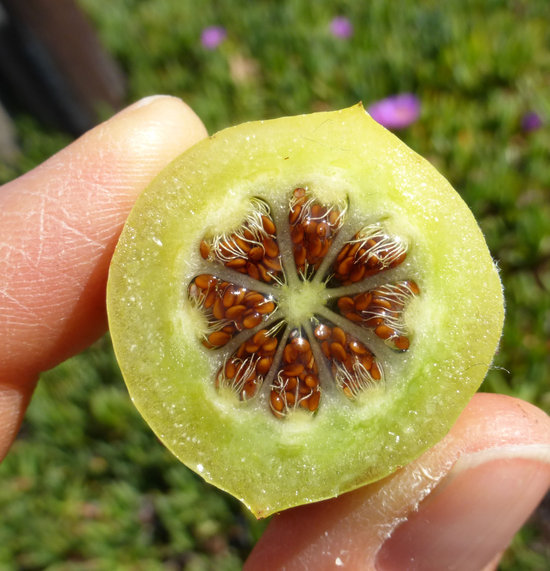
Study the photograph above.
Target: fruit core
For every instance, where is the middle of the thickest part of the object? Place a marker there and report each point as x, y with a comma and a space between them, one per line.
297, 303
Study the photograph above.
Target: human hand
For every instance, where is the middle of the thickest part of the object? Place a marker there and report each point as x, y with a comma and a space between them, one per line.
58, 227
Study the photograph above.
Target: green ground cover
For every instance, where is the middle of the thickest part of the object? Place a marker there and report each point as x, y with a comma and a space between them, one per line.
87, 486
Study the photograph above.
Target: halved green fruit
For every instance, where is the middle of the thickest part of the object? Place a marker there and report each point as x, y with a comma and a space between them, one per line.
301, 306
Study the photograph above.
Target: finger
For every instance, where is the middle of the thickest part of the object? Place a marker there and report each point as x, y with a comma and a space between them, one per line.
456, 507
58, 227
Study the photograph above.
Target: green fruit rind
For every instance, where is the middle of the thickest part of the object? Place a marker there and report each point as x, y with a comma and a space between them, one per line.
268, 463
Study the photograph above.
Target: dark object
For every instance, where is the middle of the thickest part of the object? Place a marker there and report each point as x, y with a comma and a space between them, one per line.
53, 66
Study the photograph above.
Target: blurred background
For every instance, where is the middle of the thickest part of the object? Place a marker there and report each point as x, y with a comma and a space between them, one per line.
87, 485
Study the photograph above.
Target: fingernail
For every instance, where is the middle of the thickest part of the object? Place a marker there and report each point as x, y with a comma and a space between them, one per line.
141, 103
144, 101
469, 518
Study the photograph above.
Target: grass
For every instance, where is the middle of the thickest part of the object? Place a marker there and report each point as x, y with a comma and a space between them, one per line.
87, 486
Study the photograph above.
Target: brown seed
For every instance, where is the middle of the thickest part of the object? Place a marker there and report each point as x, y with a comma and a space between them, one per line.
264, 273
323, 229
374, 262
399, 260
294, 214
300, 256
362, 301
239, 295
375, 372
256, 253
297, 234
204, 281
228, 297
235, 312
218, 310
373, 321
345, 304
313, 401
347, 391
260, 337
318, 211
357, 273
251, 347
384, 332
268, 225
293, 369
252, 320
210, 299
402, 343
253, 271
253, 298
289, 353
367, 360
343, 252
204, 249
243, 245
272, 264
299, 192
338, 352
266, 307
311, 381
290, 397
291, 383
310, 227
311, 364
269, 346
322, 332
333, 217
324, 249
380, 302
218, 338
236, 263
354, 317
344, 267
249, 390
315, 246
357, 347
301, 344
271, 248
413, 287
276, 401
230, 369
325, 347
339, 336
263, 366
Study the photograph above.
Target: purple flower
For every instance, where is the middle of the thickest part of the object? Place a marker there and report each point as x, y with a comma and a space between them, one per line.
341, 27
212, 37
397, 111
531, 122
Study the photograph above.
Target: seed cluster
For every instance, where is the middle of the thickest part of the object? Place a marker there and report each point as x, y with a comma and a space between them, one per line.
245, 370
313, 228
369, 252
290, 374
251, 249
297, 382
354, 366
228, 308
381, 309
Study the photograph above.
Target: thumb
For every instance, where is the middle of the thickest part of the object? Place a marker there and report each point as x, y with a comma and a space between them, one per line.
456, 507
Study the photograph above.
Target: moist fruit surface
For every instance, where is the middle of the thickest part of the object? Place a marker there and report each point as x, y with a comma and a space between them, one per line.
301, 306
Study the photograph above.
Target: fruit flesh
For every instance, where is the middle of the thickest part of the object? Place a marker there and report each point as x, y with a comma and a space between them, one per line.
240, 445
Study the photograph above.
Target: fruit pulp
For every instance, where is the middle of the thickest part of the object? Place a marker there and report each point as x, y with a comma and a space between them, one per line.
301, 306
